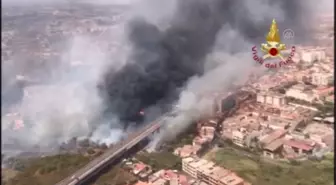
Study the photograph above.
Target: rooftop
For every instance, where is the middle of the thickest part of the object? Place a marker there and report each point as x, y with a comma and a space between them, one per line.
142, 183
198, 163
273, 136
218, 172
207, 168
274, 145
138, 167
318, 128
171, 175
329, 119
188, 159
187, 150
301, 144
231, 179
271, 93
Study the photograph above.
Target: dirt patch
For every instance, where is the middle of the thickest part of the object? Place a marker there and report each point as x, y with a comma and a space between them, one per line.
8, 174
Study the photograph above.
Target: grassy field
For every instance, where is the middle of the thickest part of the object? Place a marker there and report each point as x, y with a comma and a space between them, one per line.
270, 172
160, 160
116, 176
49, 170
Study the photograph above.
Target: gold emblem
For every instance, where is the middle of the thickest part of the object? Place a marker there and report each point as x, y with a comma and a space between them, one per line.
273, 47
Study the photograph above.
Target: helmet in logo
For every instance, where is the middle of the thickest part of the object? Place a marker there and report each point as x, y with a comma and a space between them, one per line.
273, 47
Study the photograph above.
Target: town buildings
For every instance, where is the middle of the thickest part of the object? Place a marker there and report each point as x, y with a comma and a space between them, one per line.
187, 150
310, 55
322, 79
301, 92
164, 177
209, 173
270, 98
269, 119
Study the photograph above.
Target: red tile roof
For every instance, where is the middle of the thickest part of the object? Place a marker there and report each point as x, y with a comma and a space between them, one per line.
273, 136
325, 90
299, 144
139, 166
169, 174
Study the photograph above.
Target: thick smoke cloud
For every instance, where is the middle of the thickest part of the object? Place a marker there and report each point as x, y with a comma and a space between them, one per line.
163, 60
171, 59
67, 105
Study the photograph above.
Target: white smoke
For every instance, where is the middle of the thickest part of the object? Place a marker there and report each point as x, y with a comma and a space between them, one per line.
64, 110
66, 107
222, 69
104, 134
196, 101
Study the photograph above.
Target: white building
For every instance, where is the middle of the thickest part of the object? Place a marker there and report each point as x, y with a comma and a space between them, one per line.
300, 92
322, 79
238, 137
313, 55
191, 165
307, 57
271, 98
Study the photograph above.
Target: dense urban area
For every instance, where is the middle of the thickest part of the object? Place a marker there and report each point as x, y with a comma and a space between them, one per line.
282, 133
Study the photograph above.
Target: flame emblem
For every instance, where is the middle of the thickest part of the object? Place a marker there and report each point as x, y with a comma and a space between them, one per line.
273, 47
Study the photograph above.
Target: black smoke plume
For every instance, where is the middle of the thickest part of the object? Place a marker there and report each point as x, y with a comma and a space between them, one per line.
163, 60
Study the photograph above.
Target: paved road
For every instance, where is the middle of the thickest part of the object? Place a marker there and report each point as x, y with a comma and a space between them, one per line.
122, 146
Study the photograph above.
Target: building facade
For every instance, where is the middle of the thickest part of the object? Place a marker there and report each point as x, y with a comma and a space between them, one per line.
273, 99
300, 92
322, 79
209, 173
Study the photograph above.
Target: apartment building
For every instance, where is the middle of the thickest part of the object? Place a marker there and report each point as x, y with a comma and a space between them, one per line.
311, 55
299, 146
209, 173
238, 137
300, 92
207, 132
270, 98
213, 175
191, 165
323, 92
322, 79
204, 171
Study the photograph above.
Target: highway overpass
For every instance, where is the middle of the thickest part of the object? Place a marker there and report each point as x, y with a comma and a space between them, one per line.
94, 166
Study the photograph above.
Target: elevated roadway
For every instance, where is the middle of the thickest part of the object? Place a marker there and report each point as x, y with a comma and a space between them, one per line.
94, 166
103, 160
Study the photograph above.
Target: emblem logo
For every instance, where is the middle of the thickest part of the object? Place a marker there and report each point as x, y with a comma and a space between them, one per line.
273, 49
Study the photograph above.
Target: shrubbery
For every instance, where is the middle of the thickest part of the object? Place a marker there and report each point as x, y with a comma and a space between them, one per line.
160, 160
267, 171
48, 170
